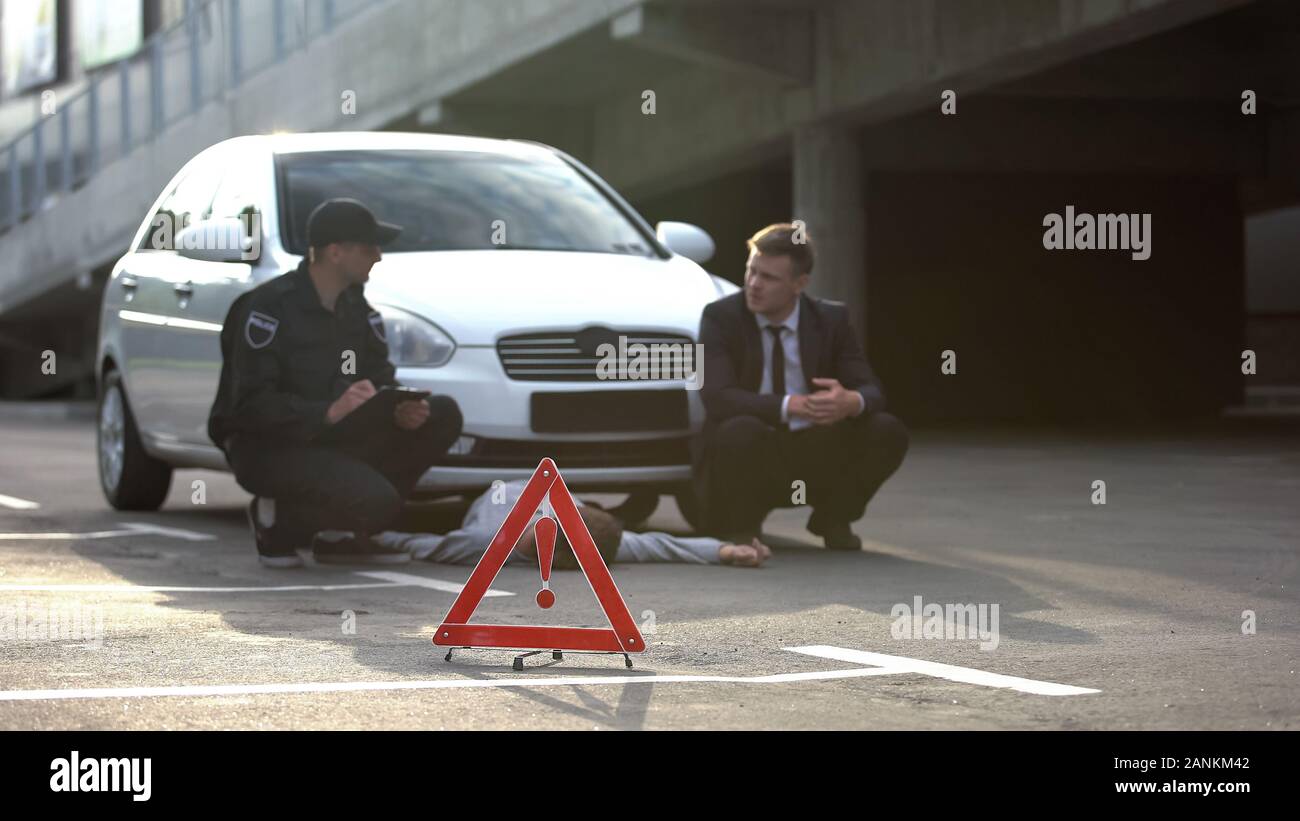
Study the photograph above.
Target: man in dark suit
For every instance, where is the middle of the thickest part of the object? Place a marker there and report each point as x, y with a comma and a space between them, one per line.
789, 398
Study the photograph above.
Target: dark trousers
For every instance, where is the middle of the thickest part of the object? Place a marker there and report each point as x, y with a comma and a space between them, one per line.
752, 467
358, 485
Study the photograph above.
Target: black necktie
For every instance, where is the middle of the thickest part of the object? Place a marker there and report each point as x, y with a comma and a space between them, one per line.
778, 360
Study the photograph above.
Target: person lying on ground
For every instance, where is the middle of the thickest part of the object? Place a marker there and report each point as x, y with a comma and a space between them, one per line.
466, 544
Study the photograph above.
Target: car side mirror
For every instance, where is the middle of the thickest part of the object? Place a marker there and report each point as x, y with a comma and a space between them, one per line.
690, 241
225, 239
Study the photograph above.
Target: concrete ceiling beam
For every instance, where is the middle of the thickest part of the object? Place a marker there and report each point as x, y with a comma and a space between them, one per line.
763, 42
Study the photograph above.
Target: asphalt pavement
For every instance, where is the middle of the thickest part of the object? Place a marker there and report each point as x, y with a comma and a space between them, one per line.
1173, 605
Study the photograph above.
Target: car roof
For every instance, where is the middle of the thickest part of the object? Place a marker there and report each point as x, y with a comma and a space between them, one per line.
295, 143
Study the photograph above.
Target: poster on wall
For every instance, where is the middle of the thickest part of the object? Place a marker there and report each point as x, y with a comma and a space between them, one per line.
28, 44
107, 32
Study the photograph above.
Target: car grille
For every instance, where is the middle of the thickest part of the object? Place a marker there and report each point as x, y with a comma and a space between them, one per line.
569, 356
514, 453
609, 411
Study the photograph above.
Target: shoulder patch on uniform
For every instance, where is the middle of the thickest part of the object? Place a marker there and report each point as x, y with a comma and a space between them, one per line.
377, 325
260, 329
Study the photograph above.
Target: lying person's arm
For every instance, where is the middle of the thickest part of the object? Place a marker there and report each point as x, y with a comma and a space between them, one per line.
662, 547
462, 546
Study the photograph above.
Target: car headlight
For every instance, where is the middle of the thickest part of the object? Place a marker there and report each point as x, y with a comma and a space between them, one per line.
414, 342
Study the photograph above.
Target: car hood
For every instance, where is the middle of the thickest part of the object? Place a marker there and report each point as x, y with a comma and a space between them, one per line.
480, 296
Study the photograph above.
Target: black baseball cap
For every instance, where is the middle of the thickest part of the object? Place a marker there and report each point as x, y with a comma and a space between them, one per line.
347, 220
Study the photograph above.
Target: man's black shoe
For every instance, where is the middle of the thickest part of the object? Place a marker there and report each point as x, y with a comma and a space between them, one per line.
343, 547
269, 553
835, 535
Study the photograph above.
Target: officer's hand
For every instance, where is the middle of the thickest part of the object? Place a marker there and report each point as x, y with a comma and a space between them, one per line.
411, 414
357, 393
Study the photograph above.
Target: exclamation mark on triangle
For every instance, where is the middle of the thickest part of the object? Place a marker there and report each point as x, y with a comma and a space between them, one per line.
545, 532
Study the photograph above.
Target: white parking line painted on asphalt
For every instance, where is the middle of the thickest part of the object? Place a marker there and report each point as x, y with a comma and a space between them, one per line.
436, 684
965, 675
131, 529
148, 588
408, 579
385, 579
18, 504
884, 666
175, 532
94, 534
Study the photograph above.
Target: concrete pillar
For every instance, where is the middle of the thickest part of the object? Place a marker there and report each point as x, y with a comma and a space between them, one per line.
828, 197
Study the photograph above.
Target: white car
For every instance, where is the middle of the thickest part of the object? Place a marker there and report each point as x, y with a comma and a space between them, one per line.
515, 264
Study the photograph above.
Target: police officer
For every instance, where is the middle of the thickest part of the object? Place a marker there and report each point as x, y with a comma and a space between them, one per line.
300, 352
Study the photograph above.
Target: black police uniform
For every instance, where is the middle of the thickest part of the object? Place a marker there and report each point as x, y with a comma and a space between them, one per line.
283, 365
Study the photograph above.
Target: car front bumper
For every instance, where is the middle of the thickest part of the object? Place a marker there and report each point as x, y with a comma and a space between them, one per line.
498, 440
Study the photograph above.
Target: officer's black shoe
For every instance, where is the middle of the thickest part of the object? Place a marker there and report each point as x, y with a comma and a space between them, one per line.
344, 547
835, 535
269, 553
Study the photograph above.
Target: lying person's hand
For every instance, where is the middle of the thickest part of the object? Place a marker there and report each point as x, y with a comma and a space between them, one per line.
410, 414
741, 555
764, 552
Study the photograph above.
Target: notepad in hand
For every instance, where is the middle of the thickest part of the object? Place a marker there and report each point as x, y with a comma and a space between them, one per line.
371, 414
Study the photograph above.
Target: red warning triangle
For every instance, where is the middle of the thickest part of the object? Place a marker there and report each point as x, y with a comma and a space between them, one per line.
622, 635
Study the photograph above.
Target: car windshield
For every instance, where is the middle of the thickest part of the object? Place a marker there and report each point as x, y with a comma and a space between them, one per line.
459, 200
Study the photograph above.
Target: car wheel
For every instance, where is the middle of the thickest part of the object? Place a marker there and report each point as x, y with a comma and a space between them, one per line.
130, 478
637, 507
689, 505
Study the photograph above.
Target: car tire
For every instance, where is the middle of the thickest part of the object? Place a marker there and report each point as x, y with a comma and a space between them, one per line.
130, 478
638, 507
690, 507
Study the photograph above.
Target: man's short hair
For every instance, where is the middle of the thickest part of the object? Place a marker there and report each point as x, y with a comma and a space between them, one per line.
606, 531
778, 240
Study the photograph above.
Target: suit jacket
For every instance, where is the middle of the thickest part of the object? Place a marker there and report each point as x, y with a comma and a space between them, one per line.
733, 361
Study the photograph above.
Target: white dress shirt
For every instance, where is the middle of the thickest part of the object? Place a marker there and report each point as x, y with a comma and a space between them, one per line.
795, 383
